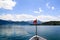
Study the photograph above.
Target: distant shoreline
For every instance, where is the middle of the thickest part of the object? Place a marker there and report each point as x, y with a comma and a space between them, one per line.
4, 22
41, 24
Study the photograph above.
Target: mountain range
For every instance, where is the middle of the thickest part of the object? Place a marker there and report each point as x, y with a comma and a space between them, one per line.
51, 23
4, 22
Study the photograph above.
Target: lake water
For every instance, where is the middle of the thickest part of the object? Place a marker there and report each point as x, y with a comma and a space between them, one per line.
25, 32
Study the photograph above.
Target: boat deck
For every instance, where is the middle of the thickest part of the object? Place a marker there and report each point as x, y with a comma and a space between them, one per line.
36, 37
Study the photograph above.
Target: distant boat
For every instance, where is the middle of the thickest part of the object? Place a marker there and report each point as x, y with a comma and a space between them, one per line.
36, 37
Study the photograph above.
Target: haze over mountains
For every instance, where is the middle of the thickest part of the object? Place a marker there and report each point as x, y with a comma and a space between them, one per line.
2, 22
5, 22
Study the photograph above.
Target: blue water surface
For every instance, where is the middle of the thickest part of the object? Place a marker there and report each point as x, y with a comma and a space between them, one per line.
25, 32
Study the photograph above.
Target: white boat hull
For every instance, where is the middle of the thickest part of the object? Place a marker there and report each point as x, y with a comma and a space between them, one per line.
36, 37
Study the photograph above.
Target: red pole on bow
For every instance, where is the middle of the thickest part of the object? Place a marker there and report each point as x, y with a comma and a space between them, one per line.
35, 23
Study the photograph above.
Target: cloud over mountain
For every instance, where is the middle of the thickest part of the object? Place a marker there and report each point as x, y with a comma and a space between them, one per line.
26, 17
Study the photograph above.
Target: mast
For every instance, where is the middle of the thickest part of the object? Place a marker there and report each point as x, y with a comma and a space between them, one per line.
35, 23
36, 29
36, 37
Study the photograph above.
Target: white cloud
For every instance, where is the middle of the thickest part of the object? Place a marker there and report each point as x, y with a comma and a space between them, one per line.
25, 17
53, 7
49, 6
7, 4
39, 11
7, 17
48, 18
17, 17
36, 12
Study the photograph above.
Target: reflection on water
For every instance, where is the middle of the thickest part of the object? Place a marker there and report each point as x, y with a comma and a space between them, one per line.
18, 32
12, 30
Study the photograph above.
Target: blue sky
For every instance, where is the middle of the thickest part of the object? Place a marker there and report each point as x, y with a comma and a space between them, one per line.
44, 10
